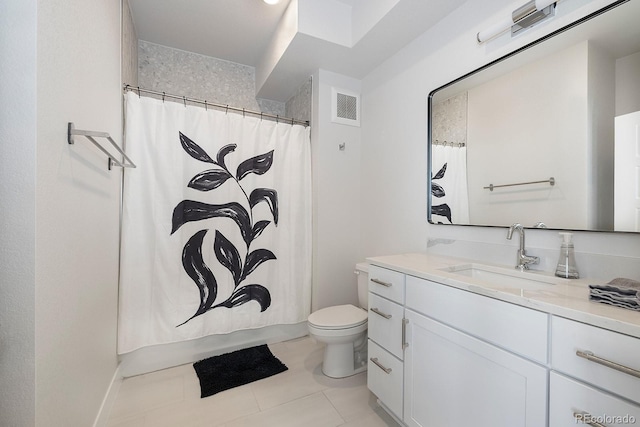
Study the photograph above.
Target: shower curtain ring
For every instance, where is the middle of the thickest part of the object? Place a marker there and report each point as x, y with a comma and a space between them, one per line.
277, 118
260, 115
162, 96
138, 91
227, 110
205, 105
243, 112
184, 99
291, 121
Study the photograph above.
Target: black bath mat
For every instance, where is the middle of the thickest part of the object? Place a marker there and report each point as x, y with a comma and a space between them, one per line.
234, 369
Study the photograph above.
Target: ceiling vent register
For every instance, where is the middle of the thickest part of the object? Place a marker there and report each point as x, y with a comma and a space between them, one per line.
345, 107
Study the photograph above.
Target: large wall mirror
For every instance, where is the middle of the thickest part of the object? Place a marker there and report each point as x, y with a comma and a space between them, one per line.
548, 136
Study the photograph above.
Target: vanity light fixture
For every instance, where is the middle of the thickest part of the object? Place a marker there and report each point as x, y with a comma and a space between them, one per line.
522, 18
271, 1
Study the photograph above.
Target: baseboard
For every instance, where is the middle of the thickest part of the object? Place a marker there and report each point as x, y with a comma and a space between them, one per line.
389, 412
109, 399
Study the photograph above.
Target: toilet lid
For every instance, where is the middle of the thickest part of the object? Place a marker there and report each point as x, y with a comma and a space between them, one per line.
338, 317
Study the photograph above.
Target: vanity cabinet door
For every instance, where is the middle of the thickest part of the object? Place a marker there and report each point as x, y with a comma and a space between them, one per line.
452, 379
574, 403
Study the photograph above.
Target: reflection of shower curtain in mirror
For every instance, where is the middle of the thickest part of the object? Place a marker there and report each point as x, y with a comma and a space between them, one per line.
450, 198
216, 233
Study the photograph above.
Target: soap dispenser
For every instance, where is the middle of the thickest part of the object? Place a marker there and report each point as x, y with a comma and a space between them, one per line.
567, 263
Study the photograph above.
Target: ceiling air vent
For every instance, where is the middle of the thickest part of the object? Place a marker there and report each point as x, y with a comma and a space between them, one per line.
345, 107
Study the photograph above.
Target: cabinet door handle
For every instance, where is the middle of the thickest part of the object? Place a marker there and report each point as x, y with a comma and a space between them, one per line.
405, 344
379, 313
586, 418
380, 282
380, 365
608, 363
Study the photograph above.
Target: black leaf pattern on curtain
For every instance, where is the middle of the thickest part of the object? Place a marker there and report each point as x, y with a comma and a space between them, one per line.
438, 191
222, 153
202, 276
254, 259
258, 165
248, 293
190, 210
194, 149
267, 195
209, 179
228, 256
226, 253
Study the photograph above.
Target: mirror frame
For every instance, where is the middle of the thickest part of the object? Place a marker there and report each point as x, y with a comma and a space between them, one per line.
484, 67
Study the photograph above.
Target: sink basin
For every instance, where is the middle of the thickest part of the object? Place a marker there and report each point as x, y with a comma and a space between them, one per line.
498, 277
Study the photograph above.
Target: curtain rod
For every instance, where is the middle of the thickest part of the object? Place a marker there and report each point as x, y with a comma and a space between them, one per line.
206, 104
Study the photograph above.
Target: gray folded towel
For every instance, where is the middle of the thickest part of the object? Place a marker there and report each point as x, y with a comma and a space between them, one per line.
616, 303
625, 283
619, 292
614, 295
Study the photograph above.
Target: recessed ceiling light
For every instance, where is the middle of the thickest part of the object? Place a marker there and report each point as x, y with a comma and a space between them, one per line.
271, 1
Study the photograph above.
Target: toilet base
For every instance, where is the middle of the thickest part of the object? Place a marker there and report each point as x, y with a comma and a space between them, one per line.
340, 360
343, 374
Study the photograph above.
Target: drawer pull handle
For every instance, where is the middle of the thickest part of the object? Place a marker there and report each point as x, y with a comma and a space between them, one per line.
405, 344
379, 313
586, 418
380, 282
380, 365
609, 364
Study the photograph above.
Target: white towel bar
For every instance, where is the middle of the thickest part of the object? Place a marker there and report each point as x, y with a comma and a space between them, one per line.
91, 136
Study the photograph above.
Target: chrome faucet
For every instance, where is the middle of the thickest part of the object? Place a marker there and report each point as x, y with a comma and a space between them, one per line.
524, 260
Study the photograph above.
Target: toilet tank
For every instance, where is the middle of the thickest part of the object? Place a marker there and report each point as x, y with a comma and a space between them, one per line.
362, 272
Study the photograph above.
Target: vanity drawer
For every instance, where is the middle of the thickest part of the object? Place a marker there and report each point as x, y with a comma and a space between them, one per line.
570, 399
385, 324
598, 347
387, 283
515, 328
384, 377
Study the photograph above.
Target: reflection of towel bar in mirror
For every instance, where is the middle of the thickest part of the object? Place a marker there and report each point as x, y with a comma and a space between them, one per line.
551, 181
449, 143
91, 136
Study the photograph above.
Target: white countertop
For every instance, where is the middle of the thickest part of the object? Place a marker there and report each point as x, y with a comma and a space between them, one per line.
568, 298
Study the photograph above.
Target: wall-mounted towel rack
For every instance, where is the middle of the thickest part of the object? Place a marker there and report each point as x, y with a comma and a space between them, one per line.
551, 181
91, 136
450, 143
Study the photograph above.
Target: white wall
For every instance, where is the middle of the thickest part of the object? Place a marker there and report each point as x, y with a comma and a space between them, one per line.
129, 47
17, 210
336, 185
525, 128
600, 132
394, 163
627, 86
77, 209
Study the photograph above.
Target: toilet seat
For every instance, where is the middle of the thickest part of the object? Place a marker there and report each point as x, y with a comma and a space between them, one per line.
338, 317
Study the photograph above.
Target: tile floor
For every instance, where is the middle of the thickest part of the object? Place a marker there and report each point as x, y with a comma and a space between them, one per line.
301, 396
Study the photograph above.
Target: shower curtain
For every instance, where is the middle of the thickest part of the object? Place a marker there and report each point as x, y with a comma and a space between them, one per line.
216, 227
450, 198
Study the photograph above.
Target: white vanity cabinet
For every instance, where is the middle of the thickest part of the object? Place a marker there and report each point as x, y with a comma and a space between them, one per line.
385, 329
450, 354
454, 377
605, 367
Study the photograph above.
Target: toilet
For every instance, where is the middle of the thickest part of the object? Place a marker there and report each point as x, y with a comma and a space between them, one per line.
343, 328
